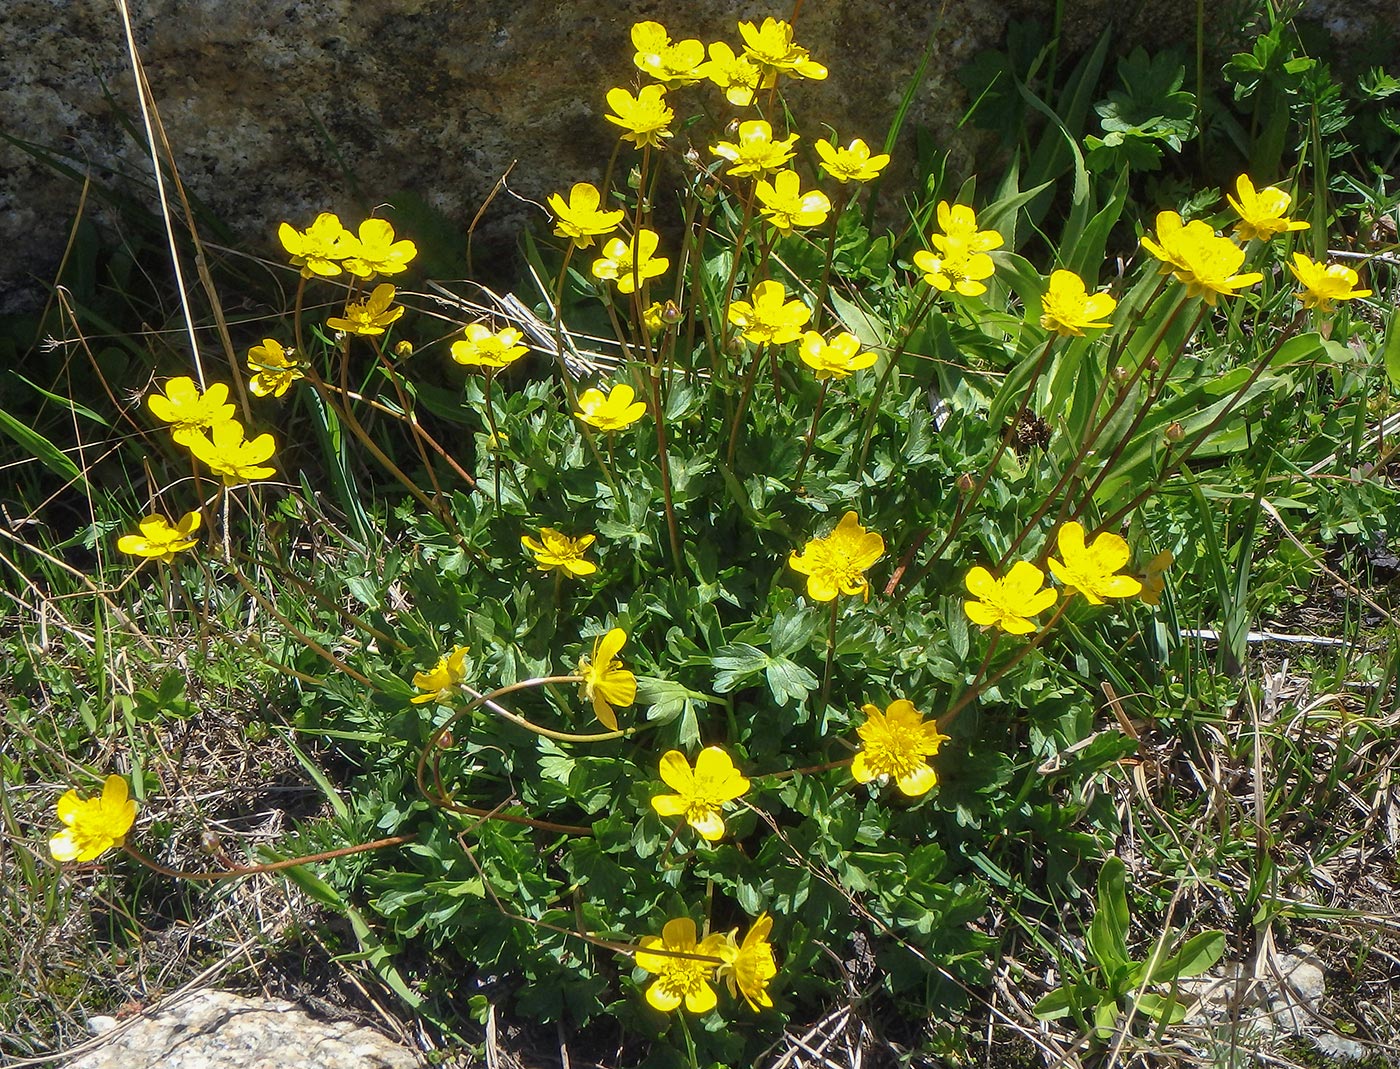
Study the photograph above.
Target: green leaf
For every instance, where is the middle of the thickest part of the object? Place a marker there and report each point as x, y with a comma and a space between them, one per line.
1169, 1009
1105, 1014
1055, 1005
1108, 932
792, 630
41, 448
1192, 958
1392, 350
735, 664
789, 681
66, 402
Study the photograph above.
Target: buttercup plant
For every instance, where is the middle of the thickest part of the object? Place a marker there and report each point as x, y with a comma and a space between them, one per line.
891, 602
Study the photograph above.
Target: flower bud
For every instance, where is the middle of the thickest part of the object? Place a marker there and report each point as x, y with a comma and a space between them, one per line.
1175, 432
209, 842
403, 348
1120, 374
965, 483
670, 313
1152, 364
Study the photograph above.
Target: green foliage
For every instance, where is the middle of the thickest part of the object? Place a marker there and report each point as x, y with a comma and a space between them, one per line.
512, 833
1119, 983
1150, 109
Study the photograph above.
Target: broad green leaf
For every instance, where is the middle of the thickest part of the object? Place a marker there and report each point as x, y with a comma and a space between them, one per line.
1105, 1015
1170, 1010
1108, 932
1192, 958
1055, 1005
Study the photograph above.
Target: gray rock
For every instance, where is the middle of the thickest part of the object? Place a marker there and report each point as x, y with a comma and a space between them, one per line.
278, 109
216, 1030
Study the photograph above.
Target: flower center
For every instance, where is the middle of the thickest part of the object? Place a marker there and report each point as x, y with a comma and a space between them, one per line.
897, 753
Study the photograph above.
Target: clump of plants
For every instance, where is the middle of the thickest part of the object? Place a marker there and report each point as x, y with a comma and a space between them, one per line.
751, 597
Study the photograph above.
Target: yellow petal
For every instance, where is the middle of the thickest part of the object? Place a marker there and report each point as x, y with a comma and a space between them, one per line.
676, 773
607, 647
918, 782
860, 768
69, 805
668, 805
710, 825
62, 846
603, 711
980, 583
981, 614
701, 1000
662, 998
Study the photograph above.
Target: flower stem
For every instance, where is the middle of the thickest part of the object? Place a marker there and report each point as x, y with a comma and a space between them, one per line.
270, 866
830, 655
837, 210
665, 464
873, 413
811, 433
1093, 432
689, 1042
434, 744
495, 441
977, 686
749, 379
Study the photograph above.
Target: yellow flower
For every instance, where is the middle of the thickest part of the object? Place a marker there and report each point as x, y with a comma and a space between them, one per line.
1154, 581
681, 979
956, 267
1262, 214
834, 359
611, 411
370, 317
1068, 310
959, 225
579, 218
605, 682
1200, 258
701, 792
556, 550
836, 564
895, 744
769, 318
749, 966
483, 347
189, 412
1008, 602
652, 319
786, 206
320, 248
853, 163
673, 63
771, 47
274, 368
737, 75
1324, 284
755, 153
440, 683
646, 118
376, 252
227, 453
95, 825
1090, 569
159, 540
629, 264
